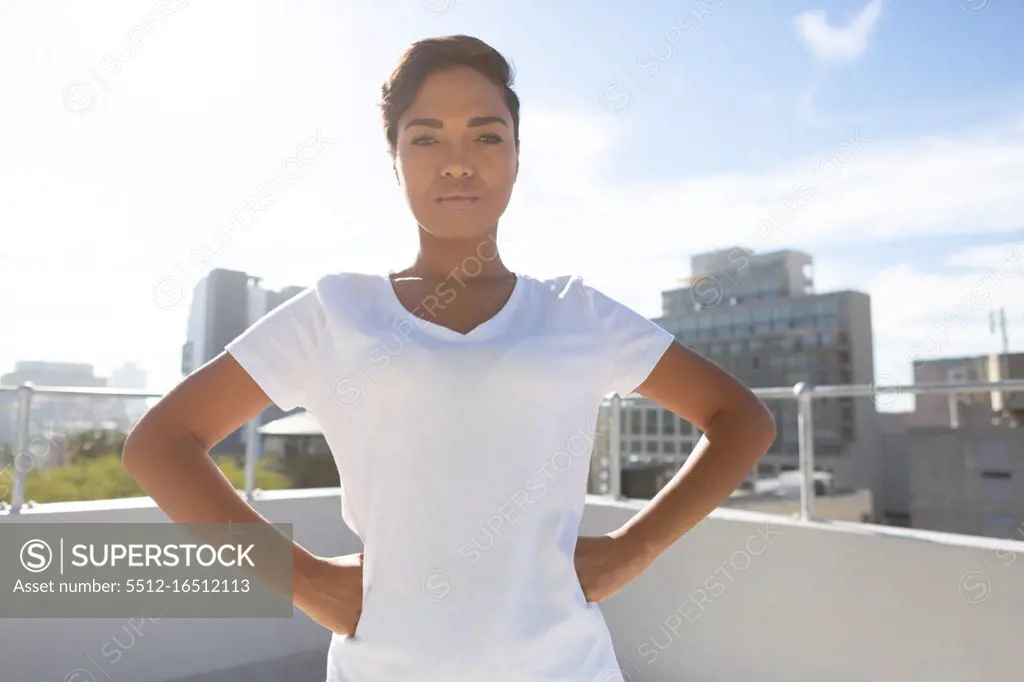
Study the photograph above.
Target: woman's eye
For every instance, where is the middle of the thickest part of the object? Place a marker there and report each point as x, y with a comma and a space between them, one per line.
422, 140
491, 138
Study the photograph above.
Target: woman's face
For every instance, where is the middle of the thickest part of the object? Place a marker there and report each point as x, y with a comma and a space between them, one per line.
456, 156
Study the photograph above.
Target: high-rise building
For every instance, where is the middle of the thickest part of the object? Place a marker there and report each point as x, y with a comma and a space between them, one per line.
224, 304
758, 317
220, 311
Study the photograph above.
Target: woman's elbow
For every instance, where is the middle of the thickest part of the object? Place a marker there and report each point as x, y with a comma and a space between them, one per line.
144, 442
138, 442
762, 422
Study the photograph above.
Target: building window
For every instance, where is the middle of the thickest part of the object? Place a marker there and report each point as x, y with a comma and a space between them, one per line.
685, 427
900, 519
634, 422
668, 422
651, 447
997, 486
651, 427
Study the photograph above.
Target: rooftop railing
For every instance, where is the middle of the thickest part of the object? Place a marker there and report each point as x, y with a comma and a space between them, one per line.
803, 393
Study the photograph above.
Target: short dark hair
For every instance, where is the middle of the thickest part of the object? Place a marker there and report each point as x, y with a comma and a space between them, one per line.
426, 57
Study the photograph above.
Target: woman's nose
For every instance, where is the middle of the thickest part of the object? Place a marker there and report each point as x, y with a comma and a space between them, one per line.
457, 169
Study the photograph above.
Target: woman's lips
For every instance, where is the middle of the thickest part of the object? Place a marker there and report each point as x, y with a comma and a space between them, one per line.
458, 202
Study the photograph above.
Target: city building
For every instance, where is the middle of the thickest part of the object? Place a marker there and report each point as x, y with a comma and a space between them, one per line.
53, 417
654, 443
41, 373
650, 439
952, 463
130, 376
758, 316
224, 304
220, 311
968, 409
967, 480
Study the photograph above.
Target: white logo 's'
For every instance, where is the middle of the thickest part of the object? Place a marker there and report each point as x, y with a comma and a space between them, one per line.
36, 556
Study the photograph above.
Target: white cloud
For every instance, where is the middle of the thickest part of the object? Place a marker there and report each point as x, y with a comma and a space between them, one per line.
861, 190
1001, 256
846, 42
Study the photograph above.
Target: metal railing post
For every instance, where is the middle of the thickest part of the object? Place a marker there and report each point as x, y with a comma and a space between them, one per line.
21, 444
954, 411
251, 455
615, 448
805, 431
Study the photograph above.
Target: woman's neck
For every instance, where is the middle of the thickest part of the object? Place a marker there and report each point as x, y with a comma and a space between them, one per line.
460, 258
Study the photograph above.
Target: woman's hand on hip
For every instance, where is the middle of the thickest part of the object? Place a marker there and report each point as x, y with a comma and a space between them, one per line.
605, 564
334, 592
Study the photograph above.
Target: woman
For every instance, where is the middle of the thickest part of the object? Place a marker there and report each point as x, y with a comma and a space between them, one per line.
459, 400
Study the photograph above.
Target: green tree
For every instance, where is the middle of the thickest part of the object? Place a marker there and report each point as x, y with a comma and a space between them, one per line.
94, 443
306, 466
266, 478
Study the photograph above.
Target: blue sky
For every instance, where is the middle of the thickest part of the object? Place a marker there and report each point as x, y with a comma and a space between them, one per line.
651, 131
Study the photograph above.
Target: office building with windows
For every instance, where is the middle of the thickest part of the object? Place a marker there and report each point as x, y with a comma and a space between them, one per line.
759, 318
653, 444
968, 409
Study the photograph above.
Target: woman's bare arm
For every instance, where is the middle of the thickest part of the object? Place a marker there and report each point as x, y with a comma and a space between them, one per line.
738, 430
167, 453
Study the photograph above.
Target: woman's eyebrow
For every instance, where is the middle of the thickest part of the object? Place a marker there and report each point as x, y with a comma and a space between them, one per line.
471, 123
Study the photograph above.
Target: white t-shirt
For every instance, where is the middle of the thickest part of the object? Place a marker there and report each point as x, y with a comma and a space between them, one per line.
463, 461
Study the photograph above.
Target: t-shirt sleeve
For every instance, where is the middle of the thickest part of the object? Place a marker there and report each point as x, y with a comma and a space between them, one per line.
278, 349
634, 344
